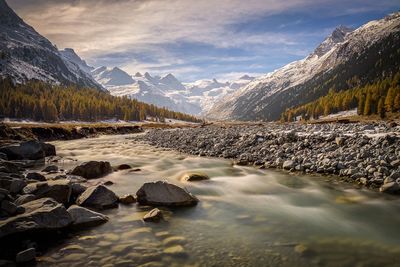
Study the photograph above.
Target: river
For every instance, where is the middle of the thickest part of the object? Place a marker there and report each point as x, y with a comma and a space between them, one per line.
245, 217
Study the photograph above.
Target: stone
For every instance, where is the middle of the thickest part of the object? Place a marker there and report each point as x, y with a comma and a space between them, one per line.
194, 176
288, 164
339, 141
82, 217
77, 189
175, 250
51, 169
124, 167
127, 199
164, 194
174, 240
108, 183
24, 199
395, 163
3, 156
31, 150
155, 215
303, 250
27, 255
98, 197
92, 169
391, 188
14, 185
59, 190
40, 215
35, 176
9, 207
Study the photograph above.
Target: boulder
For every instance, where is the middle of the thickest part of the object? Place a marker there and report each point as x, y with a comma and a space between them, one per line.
26, 255
59, 190
31, 150
24, 199
82, 217
155, 215
98, 197
92, 169
194, 177
10, 208
35, 176
10, 167
164, 194
127, 199
41, 214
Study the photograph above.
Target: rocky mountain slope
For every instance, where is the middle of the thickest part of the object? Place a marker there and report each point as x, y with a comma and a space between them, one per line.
27, 55
345, 55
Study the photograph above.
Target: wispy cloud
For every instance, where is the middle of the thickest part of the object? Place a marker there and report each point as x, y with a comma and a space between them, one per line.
140, 34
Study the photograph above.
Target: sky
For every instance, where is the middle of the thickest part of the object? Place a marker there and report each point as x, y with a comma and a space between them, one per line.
195, 39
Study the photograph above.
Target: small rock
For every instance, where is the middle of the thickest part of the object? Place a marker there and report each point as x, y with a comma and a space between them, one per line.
175, 250
391, 188
51, 169
127, 199
35, 176
339, 141
288, 164
9, 207
92, 169
155, 215
303, 250
26, 255
195, 176
24, 199
108, 183
3, 156
124, 167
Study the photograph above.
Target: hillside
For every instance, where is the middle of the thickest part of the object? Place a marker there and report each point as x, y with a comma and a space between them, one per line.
346, 59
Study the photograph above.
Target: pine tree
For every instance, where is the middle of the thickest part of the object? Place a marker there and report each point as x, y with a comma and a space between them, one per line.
361, 104
396, 103
381, 108
368, 105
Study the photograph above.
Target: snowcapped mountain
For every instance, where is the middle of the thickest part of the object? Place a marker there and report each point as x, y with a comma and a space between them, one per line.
345, 54
69, 55
167, 91
205, 93
27, 55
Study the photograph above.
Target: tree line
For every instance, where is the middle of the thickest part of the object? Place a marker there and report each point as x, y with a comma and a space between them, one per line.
40, 101
380, 97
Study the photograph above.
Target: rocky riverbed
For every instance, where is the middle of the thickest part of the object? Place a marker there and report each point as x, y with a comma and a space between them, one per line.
367, 154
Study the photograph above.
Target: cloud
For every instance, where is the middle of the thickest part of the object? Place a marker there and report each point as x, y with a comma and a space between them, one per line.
139, 35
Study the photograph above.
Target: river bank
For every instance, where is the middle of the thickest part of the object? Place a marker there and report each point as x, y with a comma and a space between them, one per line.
244, 216
363, 153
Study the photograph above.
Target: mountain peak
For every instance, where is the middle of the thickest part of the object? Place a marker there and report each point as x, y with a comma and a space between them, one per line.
337, 36
138, 74
246, 77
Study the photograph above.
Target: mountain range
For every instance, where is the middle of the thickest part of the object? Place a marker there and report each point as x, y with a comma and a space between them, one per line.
345, 59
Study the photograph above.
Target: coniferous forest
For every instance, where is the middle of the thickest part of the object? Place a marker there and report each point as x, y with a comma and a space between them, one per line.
379, 98
39, 101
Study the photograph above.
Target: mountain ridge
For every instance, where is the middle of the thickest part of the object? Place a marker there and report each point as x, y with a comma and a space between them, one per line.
269, 95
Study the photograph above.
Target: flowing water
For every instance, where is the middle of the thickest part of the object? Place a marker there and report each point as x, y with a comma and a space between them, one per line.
245, 217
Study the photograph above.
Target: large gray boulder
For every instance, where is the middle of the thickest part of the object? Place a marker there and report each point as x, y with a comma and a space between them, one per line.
30, 150
92, 169
164, 194
41, 214
99, 197
83, 217
59, 190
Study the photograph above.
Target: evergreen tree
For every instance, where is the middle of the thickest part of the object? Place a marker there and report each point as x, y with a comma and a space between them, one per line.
381, 108
361, 105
